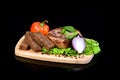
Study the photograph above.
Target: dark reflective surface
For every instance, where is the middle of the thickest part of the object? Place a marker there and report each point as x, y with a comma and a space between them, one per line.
36, 69
47, 64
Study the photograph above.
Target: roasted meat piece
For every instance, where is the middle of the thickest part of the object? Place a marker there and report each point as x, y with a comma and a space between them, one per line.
36, 40
33, 45
24, 45
58, 39
42, 40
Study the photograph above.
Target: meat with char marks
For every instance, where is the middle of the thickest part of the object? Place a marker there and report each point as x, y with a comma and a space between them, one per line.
42, 40
33, 45
59, 39
36, 40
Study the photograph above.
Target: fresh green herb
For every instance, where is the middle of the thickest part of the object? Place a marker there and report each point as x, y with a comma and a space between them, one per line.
69, 28
44, 50
59, 51
69, 31
92, 47
63, 31
71, 35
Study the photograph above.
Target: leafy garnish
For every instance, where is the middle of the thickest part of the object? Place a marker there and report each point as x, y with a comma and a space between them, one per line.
44, 50
61, 51
69, 28
92, 47
69, 31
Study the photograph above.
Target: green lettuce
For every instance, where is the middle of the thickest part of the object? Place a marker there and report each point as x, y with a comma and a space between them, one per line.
61, 51
92, 47
69, 31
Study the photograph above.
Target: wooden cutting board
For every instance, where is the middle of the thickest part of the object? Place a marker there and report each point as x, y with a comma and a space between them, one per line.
83, 59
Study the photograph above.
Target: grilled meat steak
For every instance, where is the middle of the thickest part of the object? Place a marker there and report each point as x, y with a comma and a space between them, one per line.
24, 45
42, 40
35, 40
58, 39
33, 45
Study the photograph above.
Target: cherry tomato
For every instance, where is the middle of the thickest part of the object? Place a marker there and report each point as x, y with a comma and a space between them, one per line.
40, 27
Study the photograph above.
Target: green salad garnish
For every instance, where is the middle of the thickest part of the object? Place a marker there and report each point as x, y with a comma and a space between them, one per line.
59, 51
69, 31
92, 47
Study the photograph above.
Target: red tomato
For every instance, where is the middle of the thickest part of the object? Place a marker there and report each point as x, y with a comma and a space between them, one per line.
40, 27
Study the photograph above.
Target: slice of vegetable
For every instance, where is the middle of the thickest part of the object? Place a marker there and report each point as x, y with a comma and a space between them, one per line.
78, 44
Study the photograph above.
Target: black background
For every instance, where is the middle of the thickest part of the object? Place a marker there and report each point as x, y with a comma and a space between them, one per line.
90, 21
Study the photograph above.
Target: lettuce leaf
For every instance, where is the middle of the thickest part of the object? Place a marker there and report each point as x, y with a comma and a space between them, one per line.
92, 47
70, 32
59, 51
